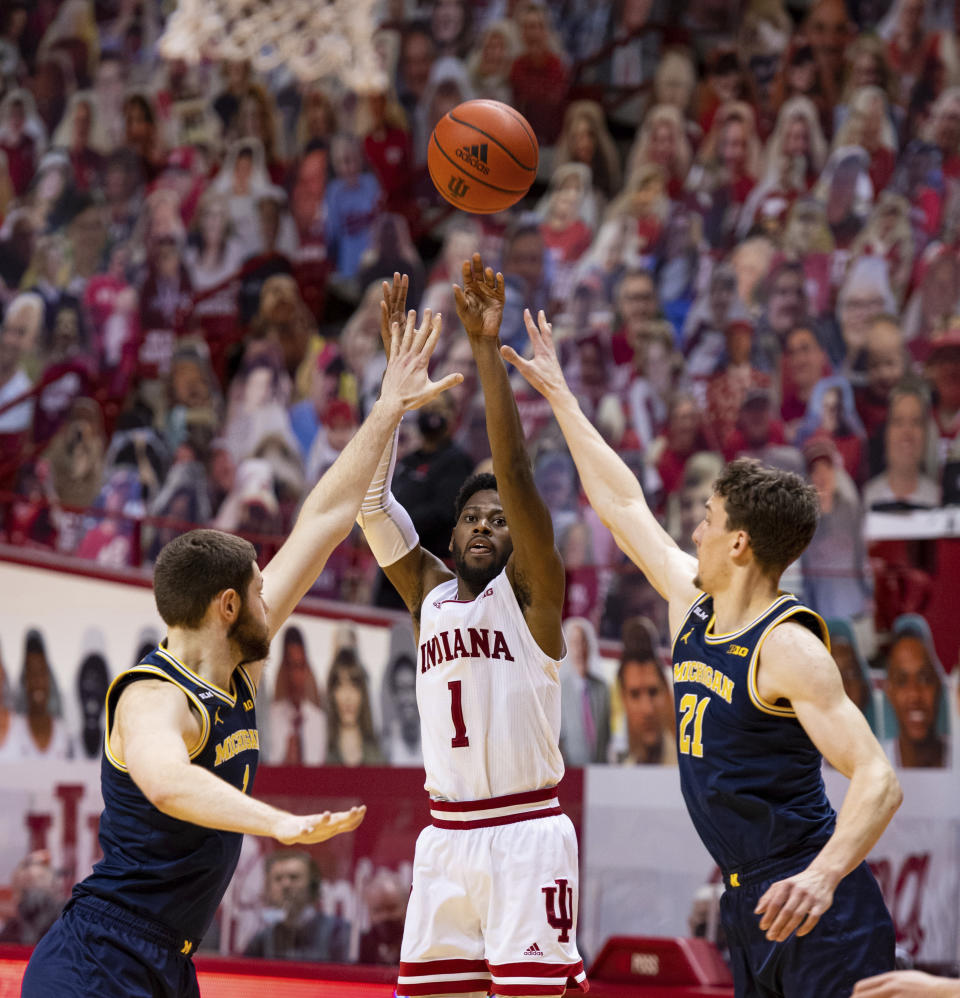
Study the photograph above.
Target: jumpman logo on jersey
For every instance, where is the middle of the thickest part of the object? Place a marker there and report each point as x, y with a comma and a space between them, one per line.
687, 635
217, 719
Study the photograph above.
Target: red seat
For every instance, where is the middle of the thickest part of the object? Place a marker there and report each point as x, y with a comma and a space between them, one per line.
659, 967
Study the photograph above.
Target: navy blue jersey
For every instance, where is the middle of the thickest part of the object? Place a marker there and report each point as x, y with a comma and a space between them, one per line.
750, 775
172, 871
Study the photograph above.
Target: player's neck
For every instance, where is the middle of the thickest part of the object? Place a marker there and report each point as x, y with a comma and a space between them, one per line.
204, 652
746, 596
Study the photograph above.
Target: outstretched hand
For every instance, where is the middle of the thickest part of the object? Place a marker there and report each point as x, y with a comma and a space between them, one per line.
480, 300
406, 381
542, 370
393, 308
294, 828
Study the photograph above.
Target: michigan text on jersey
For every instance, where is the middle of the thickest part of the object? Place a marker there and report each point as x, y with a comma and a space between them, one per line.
239, 741
699, 672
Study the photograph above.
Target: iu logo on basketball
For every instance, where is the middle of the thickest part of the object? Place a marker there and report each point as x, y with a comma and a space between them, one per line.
559, 895
458, 187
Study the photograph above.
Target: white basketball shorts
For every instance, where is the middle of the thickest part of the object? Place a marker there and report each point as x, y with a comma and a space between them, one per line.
494, 904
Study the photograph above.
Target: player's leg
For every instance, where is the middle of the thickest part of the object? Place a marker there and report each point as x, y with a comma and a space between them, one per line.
442, 947
854, 939
86, 956
530, 925
748, 948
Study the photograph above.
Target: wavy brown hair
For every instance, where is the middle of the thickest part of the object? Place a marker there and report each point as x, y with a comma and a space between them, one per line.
777, 509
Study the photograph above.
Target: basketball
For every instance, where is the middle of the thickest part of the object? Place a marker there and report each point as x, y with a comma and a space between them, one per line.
483, 156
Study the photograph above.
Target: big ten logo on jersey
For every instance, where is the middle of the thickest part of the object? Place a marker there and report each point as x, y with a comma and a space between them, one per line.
559, 901
738, 650
904, 885
248, 705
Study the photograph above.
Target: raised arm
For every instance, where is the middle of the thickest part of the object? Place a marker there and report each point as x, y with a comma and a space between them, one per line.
535, 569
611, 487
154, 732
329, 510
797, 667
411, 568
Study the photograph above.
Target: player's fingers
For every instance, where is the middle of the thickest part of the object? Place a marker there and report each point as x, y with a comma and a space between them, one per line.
772, 898
512, 357
499, 284
545, 327
467, 272
409, 327
489, 278
881, 986
420, 335
785, 923
439, 387
810, 922
432, 335
460, 298
532, 330
394, 339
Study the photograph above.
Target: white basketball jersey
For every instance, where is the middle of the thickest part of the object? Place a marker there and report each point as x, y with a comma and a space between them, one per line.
489, 697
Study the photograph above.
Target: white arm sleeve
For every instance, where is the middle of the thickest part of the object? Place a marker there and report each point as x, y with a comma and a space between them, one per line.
385, 523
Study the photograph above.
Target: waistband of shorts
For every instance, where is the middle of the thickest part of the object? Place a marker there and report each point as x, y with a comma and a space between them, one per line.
492, 811
768, 869
141, 925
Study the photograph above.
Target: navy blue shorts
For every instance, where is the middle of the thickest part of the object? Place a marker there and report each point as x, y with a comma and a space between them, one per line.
854, 938
97, 949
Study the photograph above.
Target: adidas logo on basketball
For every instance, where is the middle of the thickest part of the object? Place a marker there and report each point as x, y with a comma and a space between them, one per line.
533, 950
475, 157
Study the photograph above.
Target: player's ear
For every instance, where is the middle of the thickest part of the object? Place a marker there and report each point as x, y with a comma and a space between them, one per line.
229, 604
741, 543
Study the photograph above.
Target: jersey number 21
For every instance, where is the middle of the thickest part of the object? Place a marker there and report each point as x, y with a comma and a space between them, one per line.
692, 710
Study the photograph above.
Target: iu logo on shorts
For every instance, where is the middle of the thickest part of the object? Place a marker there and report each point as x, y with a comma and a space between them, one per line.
458, 187
562, 920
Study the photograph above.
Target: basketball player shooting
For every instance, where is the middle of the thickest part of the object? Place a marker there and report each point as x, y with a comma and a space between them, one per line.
181, 745
758, 699
495, 876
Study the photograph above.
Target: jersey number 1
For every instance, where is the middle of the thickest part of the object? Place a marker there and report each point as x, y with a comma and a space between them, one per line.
692, 711
459, 739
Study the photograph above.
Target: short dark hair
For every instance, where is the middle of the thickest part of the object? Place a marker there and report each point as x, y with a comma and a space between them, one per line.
777, 509
643, 661
313, 871
293, 636
399, 664
482, 482
191, 569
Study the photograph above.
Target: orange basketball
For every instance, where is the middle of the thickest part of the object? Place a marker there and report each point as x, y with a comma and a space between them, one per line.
483, 156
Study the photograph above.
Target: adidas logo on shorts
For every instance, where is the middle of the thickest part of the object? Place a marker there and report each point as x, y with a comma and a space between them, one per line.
533, 950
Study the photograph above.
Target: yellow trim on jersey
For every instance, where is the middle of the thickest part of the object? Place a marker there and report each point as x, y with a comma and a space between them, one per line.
752, 687
251, 685
190, 674
719, 639
683, 623
153, 670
